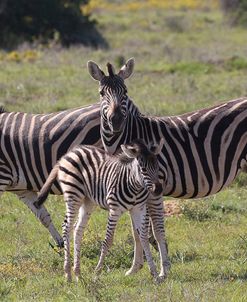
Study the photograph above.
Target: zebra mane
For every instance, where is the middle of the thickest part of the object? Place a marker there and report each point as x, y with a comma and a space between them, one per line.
123, 158
110, 69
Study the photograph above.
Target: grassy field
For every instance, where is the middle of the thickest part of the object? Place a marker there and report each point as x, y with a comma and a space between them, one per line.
185, 59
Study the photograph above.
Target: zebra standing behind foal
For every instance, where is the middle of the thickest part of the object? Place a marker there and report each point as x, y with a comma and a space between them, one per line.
31, 144
88, 175
203, 151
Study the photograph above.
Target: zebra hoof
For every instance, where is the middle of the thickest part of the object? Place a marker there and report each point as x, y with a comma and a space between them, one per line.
159, 279
134, 269
60, 244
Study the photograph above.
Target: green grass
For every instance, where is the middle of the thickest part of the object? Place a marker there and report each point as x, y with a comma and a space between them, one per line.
208, 256
184, 61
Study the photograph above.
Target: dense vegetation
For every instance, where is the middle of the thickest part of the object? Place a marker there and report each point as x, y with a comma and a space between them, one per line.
44, 20
184, 60
236, 11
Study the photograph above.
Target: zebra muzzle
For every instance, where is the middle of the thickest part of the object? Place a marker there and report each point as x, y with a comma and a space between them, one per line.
157, 189
116, 120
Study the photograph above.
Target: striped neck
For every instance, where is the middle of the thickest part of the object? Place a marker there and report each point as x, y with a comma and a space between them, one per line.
111, 141
136, 183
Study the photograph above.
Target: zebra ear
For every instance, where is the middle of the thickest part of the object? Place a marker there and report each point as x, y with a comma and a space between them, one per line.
157, 149
130, 151
95, 72
127, 70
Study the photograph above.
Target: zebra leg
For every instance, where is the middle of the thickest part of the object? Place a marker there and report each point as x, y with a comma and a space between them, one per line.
138, 252
141, 220
106, 244
6, 178
84, 214
42, 214
72, 207
151, 238
156, 212
2, 189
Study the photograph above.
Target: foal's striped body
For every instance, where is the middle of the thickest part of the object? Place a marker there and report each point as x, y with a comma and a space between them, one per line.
89, 176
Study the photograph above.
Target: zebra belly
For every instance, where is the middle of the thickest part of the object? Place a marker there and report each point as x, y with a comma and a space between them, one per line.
203, 188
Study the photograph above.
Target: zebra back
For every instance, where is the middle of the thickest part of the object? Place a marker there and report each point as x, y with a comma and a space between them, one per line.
31, 144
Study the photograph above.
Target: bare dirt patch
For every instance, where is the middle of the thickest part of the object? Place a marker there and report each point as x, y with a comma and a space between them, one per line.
172, 208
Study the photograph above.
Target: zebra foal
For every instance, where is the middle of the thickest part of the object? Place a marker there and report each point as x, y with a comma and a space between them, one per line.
89, 176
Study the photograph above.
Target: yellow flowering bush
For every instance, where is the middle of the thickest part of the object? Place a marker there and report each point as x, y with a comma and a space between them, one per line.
13, 56
30, 55
21, 56
19, 270
94, 5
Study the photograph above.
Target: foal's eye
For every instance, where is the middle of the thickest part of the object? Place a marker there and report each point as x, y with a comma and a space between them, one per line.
102, 93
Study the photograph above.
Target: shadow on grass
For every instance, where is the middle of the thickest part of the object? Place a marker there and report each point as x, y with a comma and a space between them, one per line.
184, 256
231, 276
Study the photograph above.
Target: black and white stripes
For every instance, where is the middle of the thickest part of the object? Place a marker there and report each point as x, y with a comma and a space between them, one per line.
203, 150
88, 176
30, 145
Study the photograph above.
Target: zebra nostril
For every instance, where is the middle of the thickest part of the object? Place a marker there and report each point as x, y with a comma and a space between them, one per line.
116, 119
157, 189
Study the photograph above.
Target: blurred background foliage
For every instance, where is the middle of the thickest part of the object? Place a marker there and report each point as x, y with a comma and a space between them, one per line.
236, 11
115, 5
69, 22
62, 20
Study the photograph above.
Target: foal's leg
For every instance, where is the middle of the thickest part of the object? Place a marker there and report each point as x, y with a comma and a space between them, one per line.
72, 206
84, 214
141, 220
137, 263
156, 212
111, 226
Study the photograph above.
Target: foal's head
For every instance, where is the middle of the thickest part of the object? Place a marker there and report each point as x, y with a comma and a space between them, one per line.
146, 166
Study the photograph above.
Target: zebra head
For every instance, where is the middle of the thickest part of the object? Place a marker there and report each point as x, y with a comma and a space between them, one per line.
146, 166
113, 94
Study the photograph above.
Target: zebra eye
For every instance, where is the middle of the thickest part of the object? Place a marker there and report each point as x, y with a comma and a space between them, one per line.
102, 93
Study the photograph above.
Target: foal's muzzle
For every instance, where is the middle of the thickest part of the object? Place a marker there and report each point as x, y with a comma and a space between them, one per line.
157, 189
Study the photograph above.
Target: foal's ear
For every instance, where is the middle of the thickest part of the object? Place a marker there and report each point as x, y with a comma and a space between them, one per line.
157, 149
127, 69
95, 72
130, 151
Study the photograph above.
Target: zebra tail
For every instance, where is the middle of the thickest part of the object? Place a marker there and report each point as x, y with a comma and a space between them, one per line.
45, 190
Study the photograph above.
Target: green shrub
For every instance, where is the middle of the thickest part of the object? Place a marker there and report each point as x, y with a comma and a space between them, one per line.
235, 63
197, 210
25, 20
236, 11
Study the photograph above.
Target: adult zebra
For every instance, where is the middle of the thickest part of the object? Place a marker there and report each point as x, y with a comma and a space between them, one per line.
31, 144
203, 151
